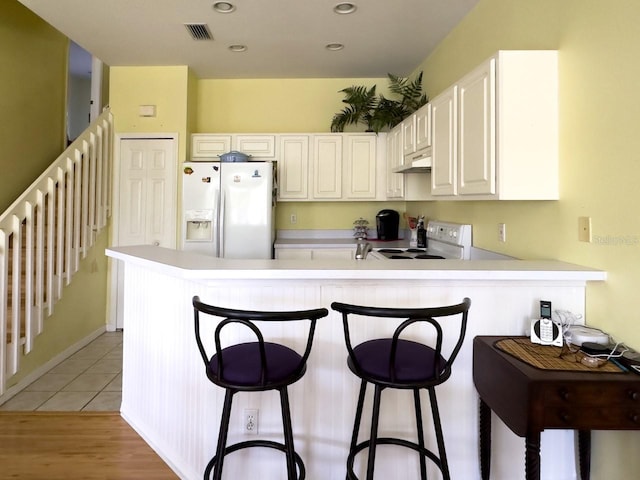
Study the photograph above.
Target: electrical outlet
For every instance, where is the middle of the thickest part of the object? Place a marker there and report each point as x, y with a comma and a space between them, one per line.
584, 229
250, 421
293, 219
502, 232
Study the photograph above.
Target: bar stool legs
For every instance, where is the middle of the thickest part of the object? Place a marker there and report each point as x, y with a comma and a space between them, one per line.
374, 440
295, 466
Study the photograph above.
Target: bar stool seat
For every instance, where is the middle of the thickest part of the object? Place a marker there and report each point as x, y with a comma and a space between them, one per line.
402, 363
254, 366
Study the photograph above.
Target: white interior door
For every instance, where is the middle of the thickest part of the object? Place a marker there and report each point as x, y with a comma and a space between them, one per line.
145, 212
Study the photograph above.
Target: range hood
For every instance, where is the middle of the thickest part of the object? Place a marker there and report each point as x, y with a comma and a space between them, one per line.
416, 163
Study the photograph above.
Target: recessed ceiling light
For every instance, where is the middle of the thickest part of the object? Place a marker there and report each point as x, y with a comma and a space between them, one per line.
334, 46
238, 48
224, 7
344, 8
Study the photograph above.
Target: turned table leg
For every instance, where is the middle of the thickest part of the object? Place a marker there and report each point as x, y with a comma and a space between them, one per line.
532, 456
584, 453
485, 440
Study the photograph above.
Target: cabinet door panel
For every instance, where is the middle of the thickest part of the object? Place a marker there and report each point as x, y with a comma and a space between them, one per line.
327, 167
395, 157
293, 167
444, 143
409, 135
477, 132
423, 127
360, 167
261, 146
208, 145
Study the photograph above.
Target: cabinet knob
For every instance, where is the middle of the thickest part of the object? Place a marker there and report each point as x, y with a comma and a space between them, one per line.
634, 417
565, 417
633, 395
156, 244
564, 394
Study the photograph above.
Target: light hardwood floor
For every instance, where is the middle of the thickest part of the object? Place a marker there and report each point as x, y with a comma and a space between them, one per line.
75, 445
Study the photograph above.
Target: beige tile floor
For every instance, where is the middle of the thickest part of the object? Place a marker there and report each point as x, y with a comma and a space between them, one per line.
89, 380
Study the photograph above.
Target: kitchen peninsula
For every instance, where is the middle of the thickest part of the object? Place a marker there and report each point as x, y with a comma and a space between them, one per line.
167, 398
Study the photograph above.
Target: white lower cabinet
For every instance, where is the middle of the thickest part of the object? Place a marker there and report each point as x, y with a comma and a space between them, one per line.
315, 253
293, 253
495, 132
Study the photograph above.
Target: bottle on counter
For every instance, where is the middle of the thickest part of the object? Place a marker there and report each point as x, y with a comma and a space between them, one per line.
421, 233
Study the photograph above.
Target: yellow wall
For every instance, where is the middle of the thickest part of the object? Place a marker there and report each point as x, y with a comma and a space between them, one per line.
599, 144
165, 87
274, 105
32, 98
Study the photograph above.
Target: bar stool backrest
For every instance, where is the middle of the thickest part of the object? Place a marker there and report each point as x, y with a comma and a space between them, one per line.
248, 319
433, 316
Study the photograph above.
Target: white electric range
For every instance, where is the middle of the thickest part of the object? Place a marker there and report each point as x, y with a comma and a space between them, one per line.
445, 240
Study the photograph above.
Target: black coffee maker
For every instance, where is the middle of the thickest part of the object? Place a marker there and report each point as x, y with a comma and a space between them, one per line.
387, 222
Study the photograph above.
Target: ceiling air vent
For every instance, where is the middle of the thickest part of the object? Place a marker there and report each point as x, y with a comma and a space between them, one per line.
199, 31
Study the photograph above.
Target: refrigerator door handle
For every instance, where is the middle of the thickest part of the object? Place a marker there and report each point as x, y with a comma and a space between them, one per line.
221, 225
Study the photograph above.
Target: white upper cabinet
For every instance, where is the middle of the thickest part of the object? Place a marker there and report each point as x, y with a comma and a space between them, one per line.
360, 167
444, 145
311, 167
330, 167
259, 146
394, 157
208, 145
477, 131
423, 127
408, 127
416, 132
293, 167
326, 173
495, 132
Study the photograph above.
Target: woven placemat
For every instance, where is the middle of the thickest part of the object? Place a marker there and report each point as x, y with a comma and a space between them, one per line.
547, 357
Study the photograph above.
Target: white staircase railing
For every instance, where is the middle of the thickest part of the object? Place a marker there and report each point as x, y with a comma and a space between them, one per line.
45, 233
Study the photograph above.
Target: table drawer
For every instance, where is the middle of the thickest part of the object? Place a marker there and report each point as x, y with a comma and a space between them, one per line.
592, 394
592, 418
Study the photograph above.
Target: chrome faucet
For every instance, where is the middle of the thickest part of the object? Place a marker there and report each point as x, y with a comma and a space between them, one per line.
362, 249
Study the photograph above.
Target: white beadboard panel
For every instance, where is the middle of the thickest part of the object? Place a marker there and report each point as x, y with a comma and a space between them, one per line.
169, 400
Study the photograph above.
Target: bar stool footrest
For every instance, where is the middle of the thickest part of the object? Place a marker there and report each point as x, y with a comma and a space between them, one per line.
389, 441
257, 443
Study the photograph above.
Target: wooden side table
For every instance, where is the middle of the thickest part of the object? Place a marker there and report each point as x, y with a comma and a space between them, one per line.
529, 400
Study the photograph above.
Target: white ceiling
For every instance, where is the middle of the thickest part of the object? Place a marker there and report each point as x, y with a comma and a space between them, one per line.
284, 38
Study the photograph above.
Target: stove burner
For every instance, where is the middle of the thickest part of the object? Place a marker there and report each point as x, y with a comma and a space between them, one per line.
434, 257
400, 257
390, 250
415, 250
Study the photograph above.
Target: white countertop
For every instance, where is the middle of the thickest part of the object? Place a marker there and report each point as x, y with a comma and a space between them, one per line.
197, 266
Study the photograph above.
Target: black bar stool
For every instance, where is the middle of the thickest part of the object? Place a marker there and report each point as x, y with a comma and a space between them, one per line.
403, 364
254, 367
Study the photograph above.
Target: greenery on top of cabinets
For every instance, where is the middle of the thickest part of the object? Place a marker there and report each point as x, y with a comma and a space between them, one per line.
377, 112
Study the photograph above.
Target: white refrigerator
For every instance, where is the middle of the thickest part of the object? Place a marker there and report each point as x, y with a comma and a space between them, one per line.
228, 209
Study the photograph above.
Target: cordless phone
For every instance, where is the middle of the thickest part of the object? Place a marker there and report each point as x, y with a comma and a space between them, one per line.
544, 330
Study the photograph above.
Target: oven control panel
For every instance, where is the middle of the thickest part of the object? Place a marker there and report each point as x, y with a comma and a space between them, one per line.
454, 233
